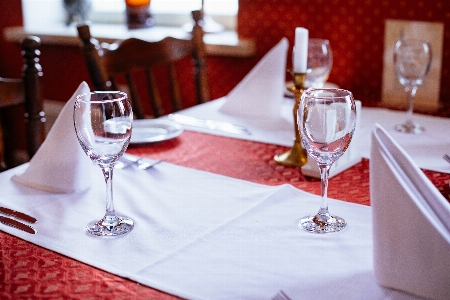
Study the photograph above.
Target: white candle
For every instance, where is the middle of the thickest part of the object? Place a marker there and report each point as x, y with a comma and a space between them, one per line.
300, 53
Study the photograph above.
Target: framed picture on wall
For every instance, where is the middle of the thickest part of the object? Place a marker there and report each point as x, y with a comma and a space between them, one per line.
393, 93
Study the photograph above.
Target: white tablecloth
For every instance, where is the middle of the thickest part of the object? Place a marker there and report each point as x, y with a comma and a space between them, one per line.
426, 149
204, 236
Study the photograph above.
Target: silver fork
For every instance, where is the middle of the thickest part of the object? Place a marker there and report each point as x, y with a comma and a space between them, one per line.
281, 295
127, 160
447, 158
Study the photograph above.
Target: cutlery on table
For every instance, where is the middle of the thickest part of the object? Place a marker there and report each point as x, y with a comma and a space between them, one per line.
209, 124
281, 296
17, 214
18, 225
141, 163
447, 158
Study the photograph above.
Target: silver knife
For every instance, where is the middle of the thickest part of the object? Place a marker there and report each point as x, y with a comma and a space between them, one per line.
17, 214
209, 124
18, 225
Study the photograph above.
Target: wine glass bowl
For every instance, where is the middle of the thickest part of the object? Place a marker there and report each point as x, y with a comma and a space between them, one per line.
103, 125
326, 121
412, 60
319, 62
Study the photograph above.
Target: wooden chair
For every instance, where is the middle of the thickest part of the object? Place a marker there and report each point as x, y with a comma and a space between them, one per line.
106, 62
25, 92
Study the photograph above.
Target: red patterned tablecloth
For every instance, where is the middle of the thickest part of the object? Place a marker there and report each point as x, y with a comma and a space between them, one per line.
28, 271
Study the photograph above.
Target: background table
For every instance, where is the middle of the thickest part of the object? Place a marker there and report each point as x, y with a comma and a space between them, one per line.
28, 271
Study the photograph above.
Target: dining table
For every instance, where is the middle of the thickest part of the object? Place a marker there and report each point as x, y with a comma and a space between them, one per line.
32, 271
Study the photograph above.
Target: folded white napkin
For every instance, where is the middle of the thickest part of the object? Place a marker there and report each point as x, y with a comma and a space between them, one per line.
260, 93
411, 223
60, 165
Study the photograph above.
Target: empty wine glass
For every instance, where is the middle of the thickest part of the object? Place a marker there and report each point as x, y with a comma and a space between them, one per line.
103, 124
326, 120
412, 60
320, 62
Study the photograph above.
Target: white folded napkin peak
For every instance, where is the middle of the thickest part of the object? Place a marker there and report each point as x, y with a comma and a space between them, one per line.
260, 93
411, 223
60, 165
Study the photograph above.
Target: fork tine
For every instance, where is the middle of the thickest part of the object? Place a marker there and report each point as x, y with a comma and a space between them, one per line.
120, 165
139, 163
447, 158
147, 165
281, 295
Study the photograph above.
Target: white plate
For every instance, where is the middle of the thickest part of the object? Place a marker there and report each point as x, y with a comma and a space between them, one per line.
153, 130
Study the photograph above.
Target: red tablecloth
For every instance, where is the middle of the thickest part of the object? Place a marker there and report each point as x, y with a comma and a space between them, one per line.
28, 271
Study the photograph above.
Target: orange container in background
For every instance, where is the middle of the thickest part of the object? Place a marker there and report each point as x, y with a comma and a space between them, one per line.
138, 14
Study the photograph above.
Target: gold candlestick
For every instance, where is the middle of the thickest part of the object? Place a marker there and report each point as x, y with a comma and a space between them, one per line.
296, 156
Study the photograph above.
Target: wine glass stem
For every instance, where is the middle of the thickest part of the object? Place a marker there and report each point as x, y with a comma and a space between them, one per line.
324, 172
108, 174
411, 91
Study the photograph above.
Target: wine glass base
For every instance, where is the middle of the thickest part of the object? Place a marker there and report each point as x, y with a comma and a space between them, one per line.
110, 226
413, 128
322, 223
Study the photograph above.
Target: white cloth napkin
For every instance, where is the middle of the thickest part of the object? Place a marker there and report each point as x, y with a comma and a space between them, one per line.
261, 92
411, 223
60, 165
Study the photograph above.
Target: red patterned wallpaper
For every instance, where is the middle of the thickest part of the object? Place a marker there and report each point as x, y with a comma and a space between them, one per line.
355, 29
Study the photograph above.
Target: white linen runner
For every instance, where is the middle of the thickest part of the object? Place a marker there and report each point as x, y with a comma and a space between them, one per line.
204, 236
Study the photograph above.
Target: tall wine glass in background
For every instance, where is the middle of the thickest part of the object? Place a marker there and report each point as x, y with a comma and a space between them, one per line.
412, 60
326, 120
103, 124
320, 62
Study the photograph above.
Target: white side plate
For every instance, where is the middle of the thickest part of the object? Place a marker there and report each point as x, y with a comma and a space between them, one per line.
154, 130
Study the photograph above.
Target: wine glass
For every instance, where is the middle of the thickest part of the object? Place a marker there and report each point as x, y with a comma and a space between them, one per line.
320, 62
103, 125
326, 121
412, 60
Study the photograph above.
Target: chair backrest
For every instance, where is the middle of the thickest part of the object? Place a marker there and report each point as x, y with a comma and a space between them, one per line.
107, 62
25, 92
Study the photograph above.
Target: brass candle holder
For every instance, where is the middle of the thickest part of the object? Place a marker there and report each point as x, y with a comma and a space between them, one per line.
296, 156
